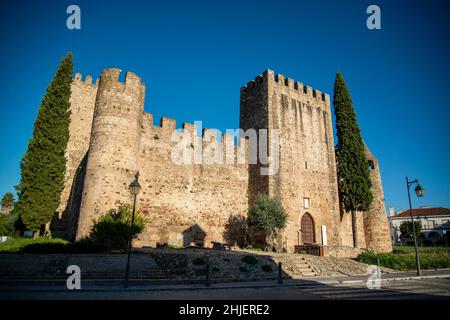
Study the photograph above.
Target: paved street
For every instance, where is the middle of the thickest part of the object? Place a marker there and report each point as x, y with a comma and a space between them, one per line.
434, 288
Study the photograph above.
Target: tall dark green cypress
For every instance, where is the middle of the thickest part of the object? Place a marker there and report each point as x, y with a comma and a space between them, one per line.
354, 182
44, 164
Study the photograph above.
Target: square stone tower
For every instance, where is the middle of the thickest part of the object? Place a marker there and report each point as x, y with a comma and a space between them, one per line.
306, 181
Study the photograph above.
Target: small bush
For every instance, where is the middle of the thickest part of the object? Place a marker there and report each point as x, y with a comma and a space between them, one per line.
113, 230
243, 269
249, 259
266, 268
198, 261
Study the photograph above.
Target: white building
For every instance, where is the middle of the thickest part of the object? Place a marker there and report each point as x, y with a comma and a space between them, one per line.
435, 224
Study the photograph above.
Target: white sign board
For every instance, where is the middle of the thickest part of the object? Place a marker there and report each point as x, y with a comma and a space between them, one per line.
324, 235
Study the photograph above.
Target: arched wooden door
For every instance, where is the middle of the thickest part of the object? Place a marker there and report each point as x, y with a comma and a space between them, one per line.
307, 225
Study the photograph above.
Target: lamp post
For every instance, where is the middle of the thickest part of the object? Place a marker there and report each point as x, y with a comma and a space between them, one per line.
420, 192
134, 188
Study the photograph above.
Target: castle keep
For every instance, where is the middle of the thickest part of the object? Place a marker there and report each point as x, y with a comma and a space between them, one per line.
111, 138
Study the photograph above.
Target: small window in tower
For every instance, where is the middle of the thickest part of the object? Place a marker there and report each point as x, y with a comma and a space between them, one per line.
306, 164
306, 202
371, 165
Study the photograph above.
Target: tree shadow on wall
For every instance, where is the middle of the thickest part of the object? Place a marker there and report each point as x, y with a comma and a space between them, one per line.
235, 231
66, 227
194, 236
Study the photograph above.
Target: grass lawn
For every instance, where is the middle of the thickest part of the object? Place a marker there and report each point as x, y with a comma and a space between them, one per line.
14, 245
404, 258
410, 249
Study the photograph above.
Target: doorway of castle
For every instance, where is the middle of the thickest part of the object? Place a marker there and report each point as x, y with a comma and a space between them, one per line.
307, 228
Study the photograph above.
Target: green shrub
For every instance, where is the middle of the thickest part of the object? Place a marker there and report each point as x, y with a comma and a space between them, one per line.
198, 261
8, 223
267, 215
429, 259
113, 229
266, 268
249, 259
243, 269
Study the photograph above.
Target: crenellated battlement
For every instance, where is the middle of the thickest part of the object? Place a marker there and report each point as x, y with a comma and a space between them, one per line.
110, 79
225, 142
280, 80
79, 78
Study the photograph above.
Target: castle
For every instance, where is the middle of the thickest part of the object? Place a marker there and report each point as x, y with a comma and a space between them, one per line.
111, 138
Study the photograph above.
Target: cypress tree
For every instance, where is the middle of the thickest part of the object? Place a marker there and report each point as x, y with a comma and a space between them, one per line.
43, 165
353, 173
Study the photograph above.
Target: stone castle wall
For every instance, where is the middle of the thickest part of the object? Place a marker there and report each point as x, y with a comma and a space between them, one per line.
189, 203
82, 103
199, 203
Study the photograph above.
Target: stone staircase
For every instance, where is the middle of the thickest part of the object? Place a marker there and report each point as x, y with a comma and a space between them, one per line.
296, 268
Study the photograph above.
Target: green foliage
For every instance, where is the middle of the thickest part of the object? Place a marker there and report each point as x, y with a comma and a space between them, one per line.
198, 261
8, 224
267, 215
8, 200
20, 244
429, 259
352, 166
174, 246
249, 259
43, 165
46, 245
113, 229
243, 269
406, 229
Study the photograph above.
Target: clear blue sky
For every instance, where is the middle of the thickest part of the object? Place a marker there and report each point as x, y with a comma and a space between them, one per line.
195, 55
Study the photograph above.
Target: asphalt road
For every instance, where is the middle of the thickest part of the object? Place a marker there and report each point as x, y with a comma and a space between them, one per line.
390, 290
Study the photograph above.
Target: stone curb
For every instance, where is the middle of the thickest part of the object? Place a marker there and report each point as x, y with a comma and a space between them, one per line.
316, 283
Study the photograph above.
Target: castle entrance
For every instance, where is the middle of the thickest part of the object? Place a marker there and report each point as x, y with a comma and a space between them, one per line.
307, 228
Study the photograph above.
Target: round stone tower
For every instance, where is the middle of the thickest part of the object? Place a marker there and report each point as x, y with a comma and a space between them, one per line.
376, 224
114, 146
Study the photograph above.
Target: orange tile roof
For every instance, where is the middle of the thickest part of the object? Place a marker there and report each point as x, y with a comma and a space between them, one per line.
424, 212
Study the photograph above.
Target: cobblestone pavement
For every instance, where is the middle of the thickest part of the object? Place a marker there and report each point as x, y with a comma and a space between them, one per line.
436, 288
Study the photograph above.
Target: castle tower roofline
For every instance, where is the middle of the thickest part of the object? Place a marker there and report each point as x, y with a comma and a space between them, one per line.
280, 80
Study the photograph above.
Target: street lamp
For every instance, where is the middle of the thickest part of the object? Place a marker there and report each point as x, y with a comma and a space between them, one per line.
420, 192
134, 188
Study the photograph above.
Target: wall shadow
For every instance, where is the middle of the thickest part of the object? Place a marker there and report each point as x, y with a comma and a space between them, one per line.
194, 236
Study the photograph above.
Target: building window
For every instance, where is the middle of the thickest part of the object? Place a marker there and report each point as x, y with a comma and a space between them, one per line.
371, 165
431, 224
306, 203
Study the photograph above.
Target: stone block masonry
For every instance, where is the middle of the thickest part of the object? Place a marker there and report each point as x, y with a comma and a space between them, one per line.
192, 204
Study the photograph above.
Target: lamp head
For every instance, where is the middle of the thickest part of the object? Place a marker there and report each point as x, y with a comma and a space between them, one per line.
135, 187
420, 191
